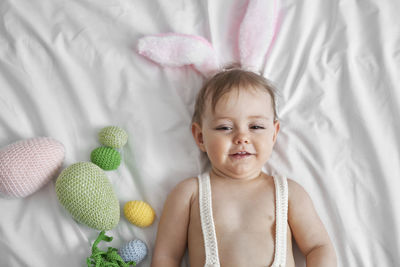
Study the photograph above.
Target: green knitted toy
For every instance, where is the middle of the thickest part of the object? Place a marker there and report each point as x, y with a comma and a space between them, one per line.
101, 258
106, 158
113, 136
85, 191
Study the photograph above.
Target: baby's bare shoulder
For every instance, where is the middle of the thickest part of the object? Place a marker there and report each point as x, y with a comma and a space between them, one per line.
188, 184
185, 189
296, 191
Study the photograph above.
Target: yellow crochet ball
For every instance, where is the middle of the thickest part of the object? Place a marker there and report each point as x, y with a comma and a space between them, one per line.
139, 213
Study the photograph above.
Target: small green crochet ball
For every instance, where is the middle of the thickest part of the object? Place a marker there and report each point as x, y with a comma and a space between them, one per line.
113, 136
84, 190
106, 158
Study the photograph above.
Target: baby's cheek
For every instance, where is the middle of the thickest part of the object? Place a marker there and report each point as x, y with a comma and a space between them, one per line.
265, 148
215, 149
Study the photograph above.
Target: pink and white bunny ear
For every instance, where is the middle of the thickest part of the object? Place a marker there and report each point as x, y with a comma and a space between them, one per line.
257, 32
177, 50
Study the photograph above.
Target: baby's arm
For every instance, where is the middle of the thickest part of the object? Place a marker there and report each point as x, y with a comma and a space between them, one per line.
171, 239
308, 230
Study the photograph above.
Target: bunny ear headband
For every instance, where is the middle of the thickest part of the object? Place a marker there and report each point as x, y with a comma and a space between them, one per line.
256, 35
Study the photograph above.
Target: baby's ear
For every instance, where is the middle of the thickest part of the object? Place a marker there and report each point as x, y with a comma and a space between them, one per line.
198, 136
277, 127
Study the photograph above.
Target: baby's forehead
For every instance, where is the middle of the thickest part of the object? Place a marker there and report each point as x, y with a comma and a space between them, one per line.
251, 102
238, 96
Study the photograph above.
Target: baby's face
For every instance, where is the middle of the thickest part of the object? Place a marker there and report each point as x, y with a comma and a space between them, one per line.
239, 136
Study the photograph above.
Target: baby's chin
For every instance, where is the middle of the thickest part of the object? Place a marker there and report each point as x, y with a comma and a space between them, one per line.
238, 173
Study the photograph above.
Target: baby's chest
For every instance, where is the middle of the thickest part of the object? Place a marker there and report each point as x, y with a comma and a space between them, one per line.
252, 212
243, 222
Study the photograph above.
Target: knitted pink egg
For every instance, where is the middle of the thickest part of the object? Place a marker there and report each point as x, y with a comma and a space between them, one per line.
27, 165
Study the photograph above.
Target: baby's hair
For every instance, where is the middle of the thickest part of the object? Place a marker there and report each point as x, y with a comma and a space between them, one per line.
231, 77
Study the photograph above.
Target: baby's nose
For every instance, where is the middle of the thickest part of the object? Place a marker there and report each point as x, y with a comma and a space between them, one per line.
241, 139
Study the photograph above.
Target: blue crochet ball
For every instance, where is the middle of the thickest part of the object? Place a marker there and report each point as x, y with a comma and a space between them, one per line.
135, 250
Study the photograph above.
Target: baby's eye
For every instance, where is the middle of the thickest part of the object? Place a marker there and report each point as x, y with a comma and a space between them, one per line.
256, 127
224, 128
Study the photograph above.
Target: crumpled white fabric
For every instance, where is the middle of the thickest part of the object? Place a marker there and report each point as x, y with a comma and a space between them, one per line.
70, 68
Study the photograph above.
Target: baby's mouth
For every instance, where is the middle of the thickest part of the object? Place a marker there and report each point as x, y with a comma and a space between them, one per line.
240, 155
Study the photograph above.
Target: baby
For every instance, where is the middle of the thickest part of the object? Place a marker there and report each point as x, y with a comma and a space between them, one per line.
235, 214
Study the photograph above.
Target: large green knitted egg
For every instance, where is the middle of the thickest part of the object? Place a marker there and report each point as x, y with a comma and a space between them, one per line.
113, 136
106, 158
86, 193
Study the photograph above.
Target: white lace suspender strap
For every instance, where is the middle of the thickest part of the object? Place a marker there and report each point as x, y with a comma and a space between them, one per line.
207, 221
281, 198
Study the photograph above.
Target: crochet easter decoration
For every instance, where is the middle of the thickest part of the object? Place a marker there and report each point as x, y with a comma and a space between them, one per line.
106, 258
256, 36
27, 165
86, 193
139, 213
113, 136
135, 250
106, 158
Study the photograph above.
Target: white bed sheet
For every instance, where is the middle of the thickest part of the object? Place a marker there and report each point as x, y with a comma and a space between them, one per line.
69, 68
